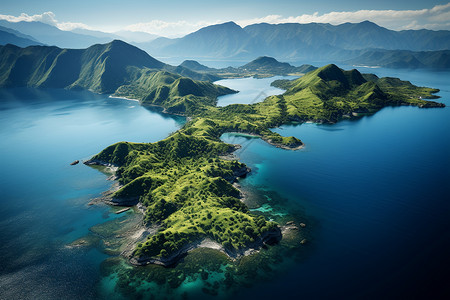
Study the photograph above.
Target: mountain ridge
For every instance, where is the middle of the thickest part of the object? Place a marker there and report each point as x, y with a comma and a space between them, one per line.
294, 41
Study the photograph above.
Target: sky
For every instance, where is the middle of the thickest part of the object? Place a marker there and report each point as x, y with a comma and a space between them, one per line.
180, 17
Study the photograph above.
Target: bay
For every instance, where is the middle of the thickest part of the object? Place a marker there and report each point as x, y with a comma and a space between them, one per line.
378, 189
44, 199
374, 190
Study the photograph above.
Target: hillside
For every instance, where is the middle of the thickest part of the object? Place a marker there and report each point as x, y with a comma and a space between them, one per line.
403, 59
329, 93
102, 68
196, 66
11, 36
51, 35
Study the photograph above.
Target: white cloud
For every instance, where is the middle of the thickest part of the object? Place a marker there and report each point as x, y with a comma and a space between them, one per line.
163, 28
435, 18
47, 18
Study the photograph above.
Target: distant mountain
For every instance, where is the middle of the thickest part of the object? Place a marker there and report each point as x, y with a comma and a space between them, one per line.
293, 41
403, 59
11, 36
223, 40
53, 36
270, 65
135, 37
263, 66
196, 66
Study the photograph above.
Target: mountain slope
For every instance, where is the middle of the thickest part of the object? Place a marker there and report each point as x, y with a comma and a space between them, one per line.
329, 93
53, 36
196, 66
222, 40
11, 36
404, 59
103, 68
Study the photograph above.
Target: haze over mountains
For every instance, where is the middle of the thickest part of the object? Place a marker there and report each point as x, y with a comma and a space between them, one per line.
306, 42
362, 43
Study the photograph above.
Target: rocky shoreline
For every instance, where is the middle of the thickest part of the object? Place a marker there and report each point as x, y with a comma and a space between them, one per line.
268, 238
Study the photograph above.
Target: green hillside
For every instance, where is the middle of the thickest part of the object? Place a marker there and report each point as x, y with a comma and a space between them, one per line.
101, 68
179, 95
329, 93
188, 189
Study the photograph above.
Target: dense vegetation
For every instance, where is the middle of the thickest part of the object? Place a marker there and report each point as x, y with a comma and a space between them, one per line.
185, 185
186, 189
182, 182
102, 68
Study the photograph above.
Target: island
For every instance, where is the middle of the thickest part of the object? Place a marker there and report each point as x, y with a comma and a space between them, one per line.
184, 184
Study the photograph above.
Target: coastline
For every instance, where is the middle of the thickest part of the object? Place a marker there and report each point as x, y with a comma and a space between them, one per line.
268, 141
123, 98
142, 231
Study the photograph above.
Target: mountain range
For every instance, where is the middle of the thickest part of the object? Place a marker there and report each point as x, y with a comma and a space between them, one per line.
115, 67
314, 41
40, 33
263, 66
403, 59
362, 43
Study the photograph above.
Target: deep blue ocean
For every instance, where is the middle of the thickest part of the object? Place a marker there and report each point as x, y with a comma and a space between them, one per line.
374, 191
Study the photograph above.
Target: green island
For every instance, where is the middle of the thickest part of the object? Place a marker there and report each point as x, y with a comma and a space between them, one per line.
184, 183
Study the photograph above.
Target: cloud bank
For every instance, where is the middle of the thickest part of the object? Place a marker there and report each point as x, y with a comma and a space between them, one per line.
47, 18
435, 18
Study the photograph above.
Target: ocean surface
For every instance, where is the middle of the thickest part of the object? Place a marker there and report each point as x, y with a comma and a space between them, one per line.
373, 193
251, 90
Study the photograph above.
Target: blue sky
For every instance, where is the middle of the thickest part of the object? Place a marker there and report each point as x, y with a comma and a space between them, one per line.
178, 17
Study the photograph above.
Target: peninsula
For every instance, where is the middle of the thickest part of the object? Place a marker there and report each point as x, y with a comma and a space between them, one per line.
182, 183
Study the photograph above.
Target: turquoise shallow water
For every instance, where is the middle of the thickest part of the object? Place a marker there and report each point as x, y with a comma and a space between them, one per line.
375, 192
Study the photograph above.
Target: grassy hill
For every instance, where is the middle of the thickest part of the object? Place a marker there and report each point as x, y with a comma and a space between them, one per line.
116, 67
329, 93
